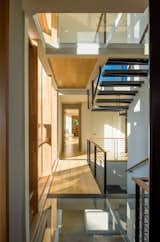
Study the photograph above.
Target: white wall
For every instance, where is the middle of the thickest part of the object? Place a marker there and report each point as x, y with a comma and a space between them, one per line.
100, 124
138, 120
138, 134
136, 24
138, 124
138, 147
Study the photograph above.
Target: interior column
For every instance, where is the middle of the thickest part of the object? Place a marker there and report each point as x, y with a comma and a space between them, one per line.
4, 40
18, 125
154, 210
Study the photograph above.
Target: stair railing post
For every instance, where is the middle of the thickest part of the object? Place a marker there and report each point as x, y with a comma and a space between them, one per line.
143, 211
105, 172
95, 160
89, 152
137, 214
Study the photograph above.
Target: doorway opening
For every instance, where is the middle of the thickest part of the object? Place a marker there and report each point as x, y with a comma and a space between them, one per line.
71, 137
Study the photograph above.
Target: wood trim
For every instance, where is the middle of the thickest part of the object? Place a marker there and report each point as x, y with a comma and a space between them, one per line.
44, 23
137, 164
4, 78
33, 129
141, 182
55, 18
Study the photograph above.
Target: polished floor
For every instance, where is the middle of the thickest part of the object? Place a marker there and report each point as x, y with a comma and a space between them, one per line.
72, 149
73, 229
73, 177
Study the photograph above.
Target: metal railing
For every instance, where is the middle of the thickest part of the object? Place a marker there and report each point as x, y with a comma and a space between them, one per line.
141, 210
103, 151
96, 154
140, 163
115, 147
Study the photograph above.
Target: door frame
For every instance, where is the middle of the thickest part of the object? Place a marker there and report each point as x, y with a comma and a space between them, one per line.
71, 106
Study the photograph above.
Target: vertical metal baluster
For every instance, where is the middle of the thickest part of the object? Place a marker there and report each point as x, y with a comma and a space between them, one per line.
137, 214
89, 152
105, 172
92, 93
95, 161
142, 210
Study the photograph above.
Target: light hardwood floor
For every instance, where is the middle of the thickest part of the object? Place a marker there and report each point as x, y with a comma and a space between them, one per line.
72, 149
73, 177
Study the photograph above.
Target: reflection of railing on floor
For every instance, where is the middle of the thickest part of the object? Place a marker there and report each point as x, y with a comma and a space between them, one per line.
141, 210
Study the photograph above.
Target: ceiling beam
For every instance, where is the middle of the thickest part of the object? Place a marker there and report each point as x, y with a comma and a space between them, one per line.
112, 50
83, 6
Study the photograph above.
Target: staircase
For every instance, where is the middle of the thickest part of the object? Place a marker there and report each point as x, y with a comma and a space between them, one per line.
117, 84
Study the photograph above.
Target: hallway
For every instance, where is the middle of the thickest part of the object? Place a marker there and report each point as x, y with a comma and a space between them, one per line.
79, 151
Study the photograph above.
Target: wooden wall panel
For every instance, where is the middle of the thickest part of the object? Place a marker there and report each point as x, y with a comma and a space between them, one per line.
44, 122
33, 129
54, 126
47, 121
4, 60
40, 113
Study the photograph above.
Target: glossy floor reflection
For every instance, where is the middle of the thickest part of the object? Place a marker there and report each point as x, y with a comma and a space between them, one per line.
75, 221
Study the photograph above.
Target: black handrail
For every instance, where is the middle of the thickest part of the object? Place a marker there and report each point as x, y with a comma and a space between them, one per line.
99, 25
130, 169
95, 161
